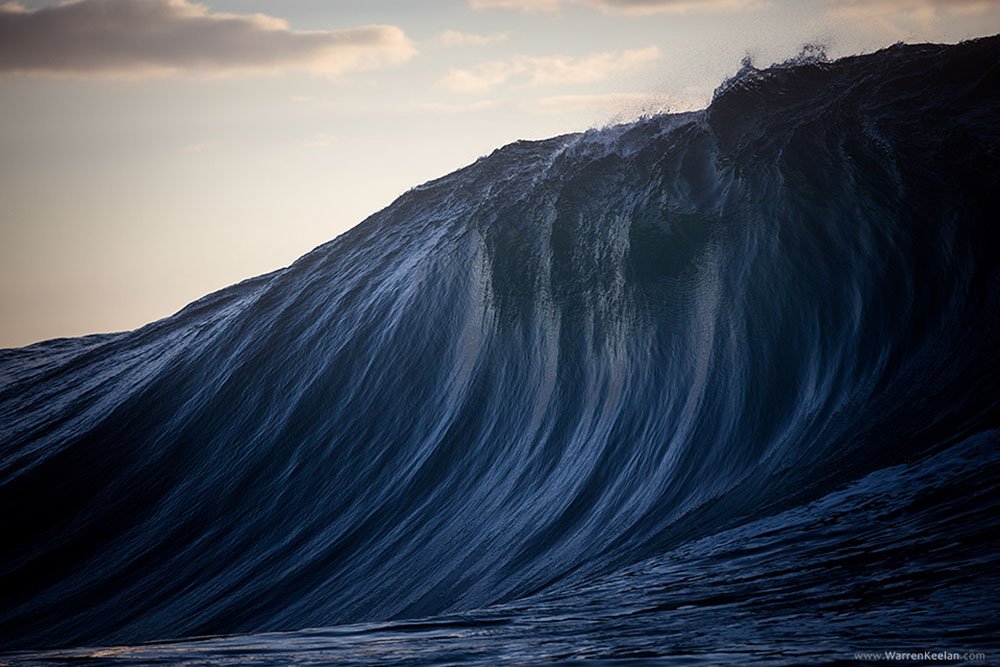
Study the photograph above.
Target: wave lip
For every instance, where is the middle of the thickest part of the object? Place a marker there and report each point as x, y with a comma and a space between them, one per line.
577, 400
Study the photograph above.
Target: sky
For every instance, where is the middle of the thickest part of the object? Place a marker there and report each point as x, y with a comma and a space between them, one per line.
153, 151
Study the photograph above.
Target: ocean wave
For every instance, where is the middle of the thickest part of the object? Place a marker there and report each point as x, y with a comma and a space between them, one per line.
587, 397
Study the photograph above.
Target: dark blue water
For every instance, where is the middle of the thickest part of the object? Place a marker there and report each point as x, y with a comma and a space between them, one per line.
711, 388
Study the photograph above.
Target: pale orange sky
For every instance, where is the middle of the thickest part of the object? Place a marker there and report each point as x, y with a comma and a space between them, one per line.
183, 147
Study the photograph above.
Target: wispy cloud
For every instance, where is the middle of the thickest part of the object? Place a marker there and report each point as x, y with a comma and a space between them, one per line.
628, 104
547, 70
454, 38
911, 7
322, 140
139, 38
436, 107
527, 6
636, 7
900, 19
201, 146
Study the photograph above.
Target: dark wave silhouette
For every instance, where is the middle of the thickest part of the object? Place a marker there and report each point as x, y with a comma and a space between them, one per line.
720, 385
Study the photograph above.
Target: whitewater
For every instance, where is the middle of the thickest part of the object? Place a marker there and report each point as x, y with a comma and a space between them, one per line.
720, 387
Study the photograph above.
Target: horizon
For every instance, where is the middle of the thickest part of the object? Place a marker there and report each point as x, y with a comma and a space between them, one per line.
143, 175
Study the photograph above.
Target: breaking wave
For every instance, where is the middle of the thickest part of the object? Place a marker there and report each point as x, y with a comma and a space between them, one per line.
720, 385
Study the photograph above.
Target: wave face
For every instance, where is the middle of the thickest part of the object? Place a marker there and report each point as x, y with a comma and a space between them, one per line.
720, 385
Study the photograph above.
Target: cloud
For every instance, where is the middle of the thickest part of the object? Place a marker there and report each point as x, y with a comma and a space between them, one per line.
900, 19
628, 104
912, 7
635, 7
137, 38
435, 107
643, 7
547, 70
322, 140
527, 6
452, 38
